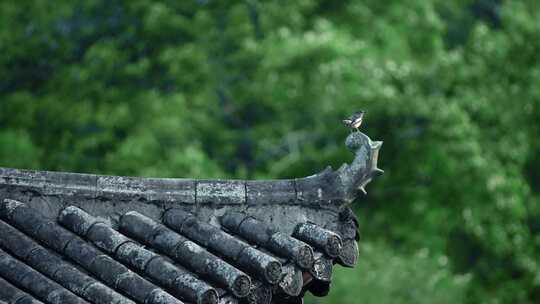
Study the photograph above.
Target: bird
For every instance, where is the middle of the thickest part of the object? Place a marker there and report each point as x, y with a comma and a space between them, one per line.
355, 120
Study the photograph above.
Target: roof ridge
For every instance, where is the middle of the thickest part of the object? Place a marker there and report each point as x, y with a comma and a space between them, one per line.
336, 187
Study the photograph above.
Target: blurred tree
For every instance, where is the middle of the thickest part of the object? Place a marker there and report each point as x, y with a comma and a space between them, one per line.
254, 89
390, 278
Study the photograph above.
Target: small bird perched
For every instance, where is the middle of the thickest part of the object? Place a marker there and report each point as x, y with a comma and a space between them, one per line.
355, 120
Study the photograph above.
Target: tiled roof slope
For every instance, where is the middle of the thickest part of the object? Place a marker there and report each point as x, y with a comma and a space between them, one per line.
80, 238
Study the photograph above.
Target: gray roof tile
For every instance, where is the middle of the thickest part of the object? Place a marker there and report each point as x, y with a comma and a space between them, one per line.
188, 260
278, 243
178, 260
43, 288
53, 266
325, 240
13, 295
237, 252
177, 279
186, 252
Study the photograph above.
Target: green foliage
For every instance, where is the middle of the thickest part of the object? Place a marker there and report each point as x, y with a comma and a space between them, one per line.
17, 149
253, 89
385, 277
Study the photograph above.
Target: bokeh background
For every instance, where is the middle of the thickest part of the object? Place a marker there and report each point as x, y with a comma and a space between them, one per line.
257, 89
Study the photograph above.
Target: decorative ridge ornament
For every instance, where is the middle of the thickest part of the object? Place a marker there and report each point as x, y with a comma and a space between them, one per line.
364, 166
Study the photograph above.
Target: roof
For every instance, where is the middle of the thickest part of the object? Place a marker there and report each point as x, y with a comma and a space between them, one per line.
83, 238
